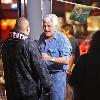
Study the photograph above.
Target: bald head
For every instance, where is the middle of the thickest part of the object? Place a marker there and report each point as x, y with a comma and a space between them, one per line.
22, 25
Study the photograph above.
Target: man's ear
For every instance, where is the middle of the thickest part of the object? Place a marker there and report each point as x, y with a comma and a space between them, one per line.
27, 28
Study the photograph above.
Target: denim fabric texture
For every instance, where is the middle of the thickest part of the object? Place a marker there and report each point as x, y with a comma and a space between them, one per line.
58, 46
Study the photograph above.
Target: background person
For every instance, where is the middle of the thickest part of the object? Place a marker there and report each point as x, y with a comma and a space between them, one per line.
23, 67
69, 32
85, 77
56, 52
85, 44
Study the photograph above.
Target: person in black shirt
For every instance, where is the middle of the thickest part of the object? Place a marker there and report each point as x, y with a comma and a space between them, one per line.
23, 66
85, 78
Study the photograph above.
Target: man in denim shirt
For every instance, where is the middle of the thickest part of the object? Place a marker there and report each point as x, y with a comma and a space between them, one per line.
56, 51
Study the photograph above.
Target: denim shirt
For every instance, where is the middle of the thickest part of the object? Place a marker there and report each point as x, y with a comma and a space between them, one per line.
58, 46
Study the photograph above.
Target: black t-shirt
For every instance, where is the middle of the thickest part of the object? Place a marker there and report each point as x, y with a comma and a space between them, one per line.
75, 47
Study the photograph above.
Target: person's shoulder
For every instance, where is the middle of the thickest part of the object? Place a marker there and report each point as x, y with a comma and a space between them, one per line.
61, 36
74, 39
85, 57
41, 38
31, 41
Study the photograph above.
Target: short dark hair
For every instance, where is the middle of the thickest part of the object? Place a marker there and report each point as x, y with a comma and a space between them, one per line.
21, 23
68, 27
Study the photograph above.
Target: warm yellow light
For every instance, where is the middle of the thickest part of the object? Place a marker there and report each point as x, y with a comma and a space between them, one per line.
96, 28
12, 24
3, 24
93, 23
8, 23
6, 1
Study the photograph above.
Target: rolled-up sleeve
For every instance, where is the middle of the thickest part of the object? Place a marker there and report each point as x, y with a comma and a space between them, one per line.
65, 48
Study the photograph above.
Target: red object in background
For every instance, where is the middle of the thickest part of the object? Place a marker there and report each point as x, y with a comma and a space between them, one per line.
6, 26
3, 25
4, 34
84, 46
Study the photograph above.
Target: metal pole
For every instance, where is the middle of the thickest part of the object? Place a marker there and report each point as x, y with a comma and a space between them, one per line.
19, 8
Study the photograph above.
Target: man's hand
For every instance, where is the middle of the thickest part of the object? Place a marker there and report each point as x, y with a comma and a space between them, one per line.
46, 57
68, 72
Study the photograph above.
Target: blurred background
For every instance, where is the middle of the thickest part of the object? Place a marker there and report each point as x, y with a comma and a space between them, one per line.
10, 10
35, 10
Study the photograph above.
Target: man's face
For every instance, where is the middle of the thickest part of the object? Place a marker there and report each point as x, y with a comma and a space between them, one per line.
48, 29
66, 32
28, 29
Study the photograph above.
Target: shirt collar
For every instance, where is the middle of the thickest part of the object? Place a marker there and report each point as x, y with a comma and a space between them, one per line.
18, 35
54, 36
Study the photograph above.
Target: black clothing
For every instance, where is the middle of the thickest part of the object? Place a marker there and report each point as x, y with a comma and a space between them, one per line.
85, 77
75, 48
23, 68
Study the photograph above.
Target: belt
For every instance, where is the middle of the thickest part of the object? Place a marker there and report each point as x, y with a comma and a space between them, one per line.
54, 72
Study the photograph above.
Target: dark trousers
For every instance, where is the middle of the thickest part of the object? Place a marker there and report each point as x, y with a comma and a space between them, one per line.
23, 98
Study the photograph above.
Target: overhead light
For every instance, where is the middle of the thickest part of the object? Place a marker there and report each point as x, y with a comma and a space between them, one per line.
13, 6
6, 1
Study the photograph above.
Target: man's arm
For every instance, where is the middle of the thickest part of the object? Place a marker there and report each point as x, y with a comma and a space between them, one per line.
64, 52
40, 67
62, 60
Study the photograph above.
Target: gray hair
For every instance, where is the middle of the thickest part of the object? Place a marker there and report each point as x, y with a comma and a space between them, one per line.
51, 18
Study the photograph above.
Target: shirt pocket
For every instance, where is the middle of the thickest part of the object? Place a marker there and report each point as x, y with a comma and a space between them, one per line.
53, 52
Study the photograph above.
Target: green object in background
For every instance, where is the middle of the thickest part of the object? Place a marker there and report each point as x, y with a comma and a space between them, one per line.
80, 13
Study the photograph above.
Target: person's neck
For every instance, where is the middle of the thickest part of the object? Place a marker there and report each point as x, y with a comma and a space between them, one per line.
69, 35
48, 38
23, 32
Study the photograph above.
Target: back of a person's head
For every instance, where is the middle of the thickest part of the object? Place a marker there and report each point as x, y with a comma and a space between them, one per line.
22, 25
69, 28
51, 18
94, 46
